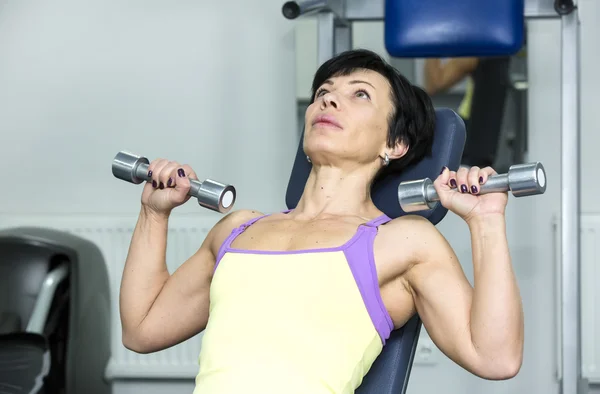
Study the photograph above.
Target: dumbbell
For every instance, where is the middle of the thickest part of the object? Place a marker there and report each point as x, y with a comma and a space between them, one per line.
522, 180
210, 194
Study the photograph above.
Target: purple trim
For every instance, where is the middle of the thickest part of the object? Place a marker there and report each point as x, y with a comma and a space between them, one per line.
225, 246
378, 221
361, 261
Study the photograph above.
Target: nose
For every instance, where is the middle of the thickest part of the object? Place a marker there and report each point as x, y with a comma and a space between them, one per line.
330, 99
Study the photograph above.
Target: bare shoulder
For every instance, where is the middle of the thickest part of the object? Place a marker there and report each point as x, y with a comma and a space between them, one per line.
410, 240
410, 228
225, 226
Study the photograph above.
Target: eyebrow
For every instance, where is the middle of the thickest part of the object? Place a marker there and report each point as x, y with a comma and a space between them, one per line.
355, 81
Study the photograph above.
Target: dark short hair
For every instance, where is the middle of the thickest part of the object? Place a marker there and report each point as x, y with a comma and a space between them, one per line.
412, 122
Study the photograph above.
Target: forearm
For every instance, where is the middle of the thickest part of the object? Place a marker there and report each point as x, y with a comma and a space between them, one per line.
496, 312
145, 271
432, 73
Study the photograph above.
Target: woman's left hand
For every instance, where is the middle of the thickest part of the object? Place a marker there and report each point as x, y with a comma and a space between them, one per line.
459, 192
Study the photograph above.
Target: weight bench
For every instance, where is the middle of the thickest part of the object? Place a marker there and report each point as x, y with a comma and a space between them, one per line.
54, 313
390, 372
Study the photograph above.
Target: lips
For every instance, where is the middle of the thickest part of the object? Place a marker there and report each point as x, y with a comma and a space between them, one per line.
327, 120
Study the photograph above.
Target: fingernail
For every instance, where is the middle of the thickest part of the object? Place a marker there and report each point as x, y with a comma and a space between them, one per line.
180, 172
480, 180
443, 168
154, 184
169, 182
452, 183
161, 186
149, 173
474, 189
463, 188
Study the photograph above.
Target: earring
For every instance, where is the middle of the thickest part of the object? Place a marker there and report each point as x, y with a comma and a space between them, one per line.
308, 159
386, 160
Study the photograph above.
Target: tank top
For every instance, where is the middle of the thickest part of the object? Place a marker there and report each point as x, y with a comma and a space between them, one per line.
295, 322
464, 109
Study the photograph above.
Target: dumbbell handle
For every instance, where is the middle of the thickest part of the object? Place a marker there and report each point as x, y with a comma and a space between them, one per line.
494, 184
522, 180
141, 172
210, 194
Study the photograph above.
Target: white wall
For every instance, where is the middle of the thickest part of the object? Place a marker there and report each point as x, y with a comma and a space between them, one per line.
189, 81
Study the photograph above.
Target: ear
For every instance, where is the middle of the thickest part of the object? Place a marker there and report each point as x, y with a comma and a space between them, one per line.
398, 151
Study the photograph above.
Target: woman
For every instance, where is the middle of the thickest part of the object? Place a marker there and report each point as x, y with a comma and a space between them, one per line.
302, 301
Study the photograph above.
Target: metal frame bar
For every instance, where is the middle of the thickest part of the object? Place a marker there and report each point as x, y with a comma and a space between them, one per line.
572, 380
332, 41
38, 318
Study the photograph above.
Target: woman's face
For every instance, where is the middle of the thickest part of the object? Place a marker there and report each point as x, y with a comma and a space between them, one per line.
349, 119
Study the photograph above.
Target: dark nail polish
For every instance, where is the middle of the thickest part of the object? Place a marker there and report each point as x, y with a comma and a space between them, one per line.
480, 180
452, 183
154, 184
149, 173
161, 186
443, 168
463, 188
180, 172
169, 182
474, 189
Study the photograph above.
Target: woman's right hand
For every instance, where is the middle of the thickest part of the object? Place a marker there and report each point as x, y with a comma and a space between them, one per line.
168, 188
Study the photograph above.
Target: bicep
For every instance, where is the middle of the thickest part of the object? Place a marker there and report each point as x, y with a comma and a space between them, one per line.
443, 298
181, 309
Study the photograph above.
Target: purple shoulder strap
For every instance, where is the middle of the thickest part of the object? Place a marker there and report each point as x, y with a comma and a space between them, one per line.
361, 260
378, 221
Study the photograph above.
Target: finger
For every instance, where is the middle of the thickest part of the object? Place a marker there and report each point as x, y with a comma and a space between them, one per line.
165, 178
452, 181
183, 175
442, 187
444, 177
180, 176
461, 179
154, 169
473, 179
485, 174
162, 175
188, 172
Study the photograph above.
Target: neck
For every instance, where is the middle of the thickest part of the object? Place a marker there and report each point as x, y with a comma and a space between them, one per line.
337, 192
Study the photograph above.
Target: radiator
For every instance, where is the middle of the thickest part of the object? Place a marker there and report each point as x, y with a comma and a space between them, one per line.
590, 295
113, 235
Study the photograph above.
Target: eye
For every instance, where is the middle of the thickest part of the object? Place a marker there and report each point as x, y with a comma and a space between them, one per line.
318, 94
361, 93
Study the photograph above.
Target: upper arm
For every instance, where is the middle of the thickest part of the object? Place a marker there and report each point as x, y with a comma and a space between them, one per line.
442, 76
181, 309
443, 296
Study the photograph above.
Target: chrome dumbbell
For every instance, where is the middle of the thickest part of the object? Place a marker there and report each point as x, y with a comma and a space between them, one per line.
210, 194
522, 180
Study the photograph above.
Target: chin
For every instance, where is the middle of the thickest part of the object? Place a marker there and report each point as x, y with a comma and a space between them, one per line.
318, 145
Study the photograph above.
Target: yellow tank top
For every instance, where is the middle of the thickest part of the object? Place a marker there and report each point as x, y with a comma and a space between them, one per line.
464, 110
297, 322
